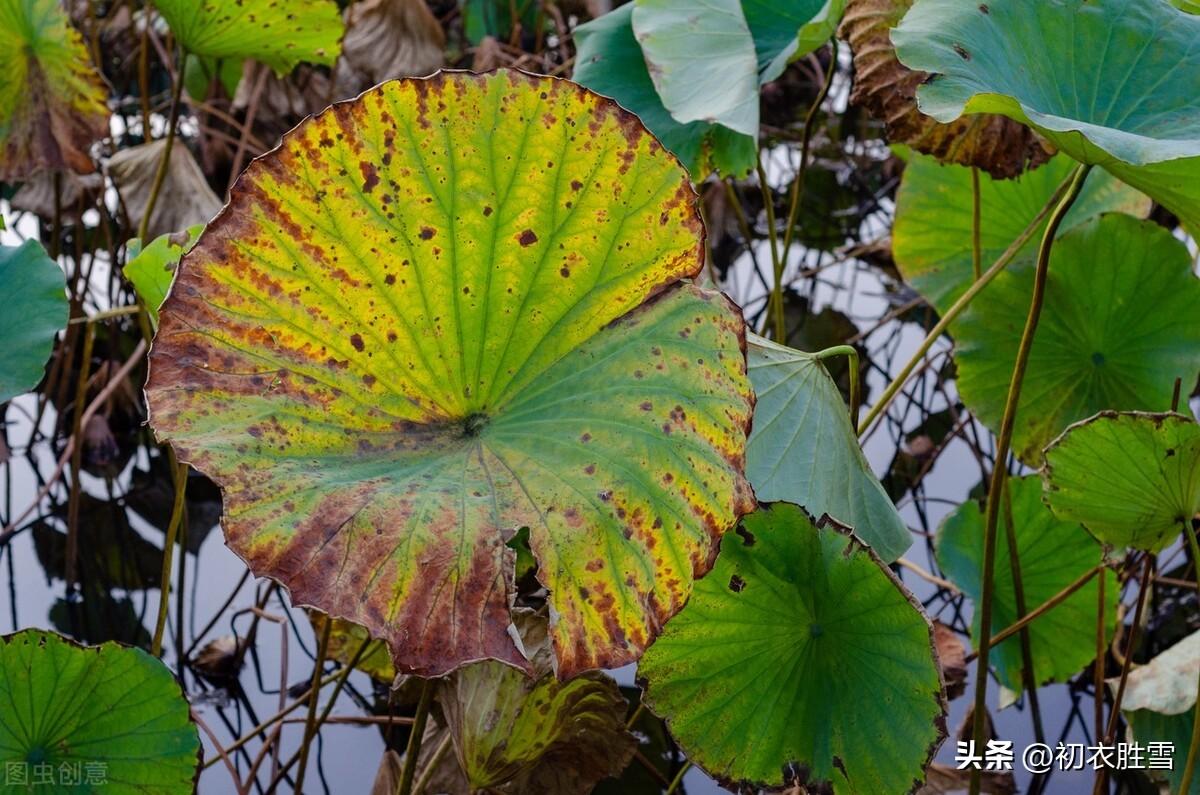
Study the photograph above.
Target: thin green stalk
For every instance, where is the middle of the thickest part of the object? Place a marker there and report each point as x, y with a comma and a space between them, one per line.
1003, 445
414, 739
160, 176
1189, 767
310, 724
1014, 562
180, 476
805, 142
851, 353
675, 782
775, 300
1098, 668
959, 306
430, 768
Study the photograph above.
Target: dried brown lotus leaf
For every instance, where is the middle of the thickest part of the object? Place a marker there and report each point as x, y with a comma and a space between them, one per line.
185, 198
386, 39
888, 89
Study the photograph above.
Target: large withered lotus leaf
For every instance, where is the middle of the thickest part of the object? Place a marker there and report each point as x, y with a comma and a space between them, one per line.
888, 89
1110, 83
441, 312
51, 99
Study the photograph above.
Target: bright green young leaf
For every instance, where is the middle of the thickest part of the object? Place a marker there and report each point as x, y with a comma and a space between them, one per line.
438, 313
151, 269
1053, 554
32, 313
802, 448
277, 34
52, 102
1117, 328
800, 659
1109, 82
785, 30
931, 238
701, 59
516, 734
108, 708
610, 62
1145, 489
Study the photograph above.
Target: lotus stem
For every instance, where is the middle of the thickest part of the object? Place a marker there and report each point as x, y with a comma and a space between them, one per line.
851, 353
958, 307
414, 739
805, 142
160, 176
1003, 445
310, 726
180, 475
1189, 767
775, 300
678, 780
1014, 562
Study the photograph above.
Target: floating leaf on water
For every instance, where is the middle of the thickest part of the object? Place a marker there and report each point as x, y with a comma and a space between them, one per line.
441, 312
931, 237
888, 89
802, 447
279, 35
134, 725
1117, 342
1052, 554
52, 102
1132, 479
610, 61
800, 659
32, 313
1133, 108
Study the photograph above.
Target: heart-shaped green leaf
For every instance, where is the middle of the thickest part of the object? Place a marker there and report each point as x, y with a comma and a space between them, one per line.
1116, 341
441, 312
610, 61
1132, 479
279, 35
52, 102
764, 676
1109, 82
803, 448
1053, 553
104, 718
931, 237
32, 313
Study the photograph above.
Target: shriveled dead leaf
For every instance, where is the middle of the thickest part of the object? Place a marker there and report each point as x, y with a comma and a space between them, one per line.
888, 89
387, 778
952, 658
1168, 683
386, 39
185, 198
280, 102
37, 194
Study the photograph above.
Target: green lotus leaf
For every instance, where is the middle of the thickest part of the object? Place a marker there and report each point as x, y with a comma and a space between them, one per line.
803, 448
1132, 479
1149, 727
1053, 553
931, 237
785, 30
1131, 105
151, 269
32, 313
516, 734
438, 313
277, 34
52, 102
1117, 342
610, 62
766, 677
102, 718
701, 59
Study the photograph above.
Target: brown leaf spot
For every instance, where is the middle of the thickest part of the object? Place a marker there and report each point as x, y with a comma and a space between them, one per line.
527, 238
370, 176
427, 233
736, 584
357, 341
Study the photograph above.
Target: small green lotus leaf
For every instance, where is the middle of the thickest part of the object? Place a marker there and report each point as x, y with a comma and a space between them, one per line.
110, 712
1167, 684
1132, 100
931, 238
609, 61
439, 313
1052, 553
345, 640
52, 102
785, 30
151, 269
517, 734
1132, 479
1147, 726
32, 313
887, 88
1117, 342
802, 448
800, 659
701, 59
279, 35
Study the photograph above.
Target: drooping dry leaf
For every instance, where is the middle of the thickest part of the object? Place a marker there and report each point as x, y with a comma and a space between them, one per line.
37, 194
52, 102
386, 39
888, 89
1168, 683
387, 778
952, 658
185, 198
281, 102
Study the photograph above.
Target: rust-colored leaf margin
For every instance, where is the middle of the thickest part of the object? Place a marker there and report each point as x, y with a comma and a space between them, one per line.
888, 89
324, 357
